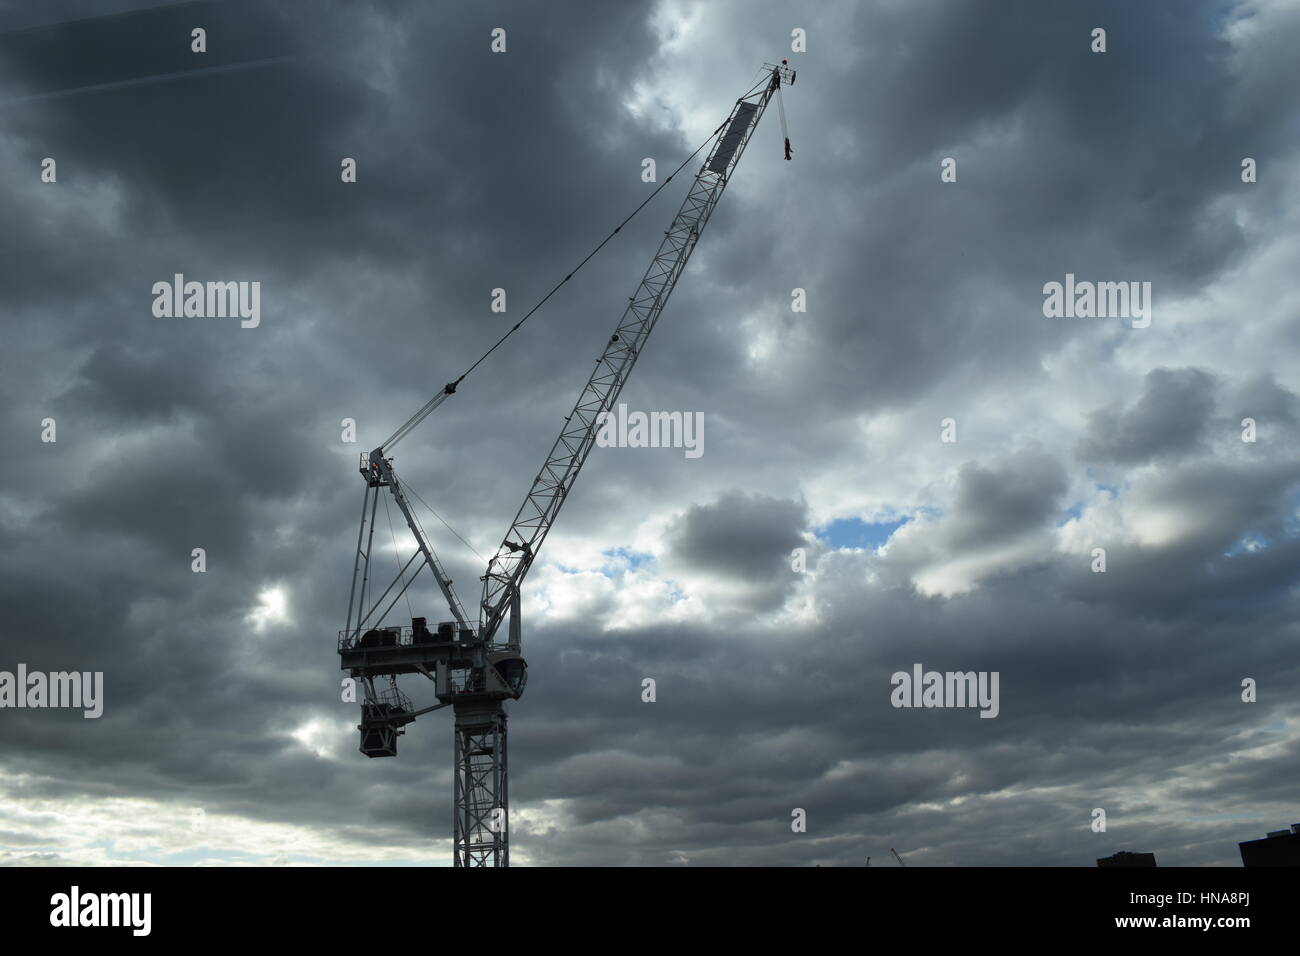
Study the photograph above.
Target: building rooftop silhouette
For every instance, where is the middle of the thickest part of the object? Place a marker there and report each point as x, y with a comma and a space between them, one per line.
1279, 848
1128, 858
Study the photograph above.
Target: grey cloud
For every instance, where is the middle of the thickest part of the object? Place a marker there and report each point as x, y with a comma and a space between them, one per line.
1018, 495
1167, 421
740, 536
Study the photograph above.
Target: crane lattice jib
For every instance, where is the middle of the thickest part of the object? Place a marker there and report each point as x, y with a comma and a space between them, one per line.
507, 569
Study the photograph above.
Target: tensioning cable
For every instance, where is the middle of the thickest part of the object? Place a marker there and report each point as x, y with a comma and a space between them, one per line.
450, 387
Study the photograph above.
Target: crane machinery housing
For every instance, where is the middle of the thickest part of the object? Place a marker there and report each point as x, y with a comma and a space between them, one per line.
472, 669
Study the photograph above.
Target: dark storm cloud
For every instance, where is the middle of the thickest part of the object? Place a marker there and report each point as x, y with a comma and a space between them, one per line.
1168, 419
994, 507
478, 172
1264, 400
743, 536
135, 386
1017, 496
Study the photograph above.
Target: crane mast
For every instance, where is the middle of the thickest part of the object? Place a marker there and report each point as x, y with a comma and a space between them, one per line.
473, 672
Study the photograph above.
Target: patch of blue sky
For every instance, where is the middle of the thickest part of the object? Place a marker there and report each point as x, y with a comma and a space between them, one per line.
859, 534
619, 561
1247, 544
1071, 513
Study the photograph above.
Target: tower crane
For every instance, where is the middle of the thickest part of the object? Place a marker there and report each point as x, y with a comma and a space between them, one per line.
473, 670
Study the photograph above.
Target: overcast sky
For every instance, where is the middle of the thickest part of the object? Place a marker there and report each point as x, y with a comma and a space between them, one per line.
478, 170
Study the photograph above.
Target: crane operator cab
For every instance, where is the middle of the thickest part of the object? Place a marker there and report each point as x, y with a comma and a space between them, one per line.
382, 719
506, 675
